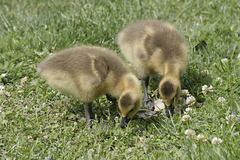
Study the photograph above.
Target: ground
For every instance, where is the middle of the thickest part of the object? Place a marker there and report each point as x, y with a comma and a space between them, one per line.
37, 122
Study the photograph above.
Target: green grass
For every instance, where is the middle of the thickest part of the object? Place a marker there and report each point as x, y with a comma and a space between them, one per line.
37, 122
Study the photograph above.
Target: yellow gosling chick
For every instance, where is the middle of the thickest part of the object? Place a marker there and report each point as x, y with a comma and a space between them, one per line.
87, 73
155, 47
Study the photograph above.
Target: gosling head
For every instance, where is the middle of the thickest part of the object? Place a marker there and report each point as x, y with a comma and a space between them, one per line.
169, 91
128, 103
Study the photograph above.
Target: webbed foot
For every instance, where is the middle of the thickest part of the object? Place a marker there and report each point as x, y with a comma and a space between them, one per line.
149, 104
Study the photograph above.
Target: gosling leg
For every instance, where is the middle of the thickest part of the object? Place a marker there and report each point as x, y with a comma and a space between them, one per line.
88, 112
147, 101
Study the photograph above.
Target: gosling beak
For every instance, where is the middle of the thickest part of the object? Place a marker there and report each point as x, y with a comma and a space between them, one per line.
169, 110
124, 122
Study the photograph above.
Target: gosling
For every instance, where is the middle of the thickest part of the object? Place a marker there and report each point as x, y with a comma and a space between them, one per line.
155, 47
88, 72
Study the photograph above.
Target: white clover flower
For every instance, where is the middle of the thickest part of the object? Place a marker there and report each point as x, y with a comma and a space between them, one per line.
19, 88
3, 92
141, 142
190, 100
186, 118
216, 140
206, 89
190, 132
230, 118
210, 88
221, 100
7, 93
204, 73
238, 57
151, 136
224, 61
158, 105
219, 80
116, 119
200, 137
185, 92
46, 136
2, 88
188, 109
24, 80
236, 133
130, 149
91, 150
2, 114
3, 75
